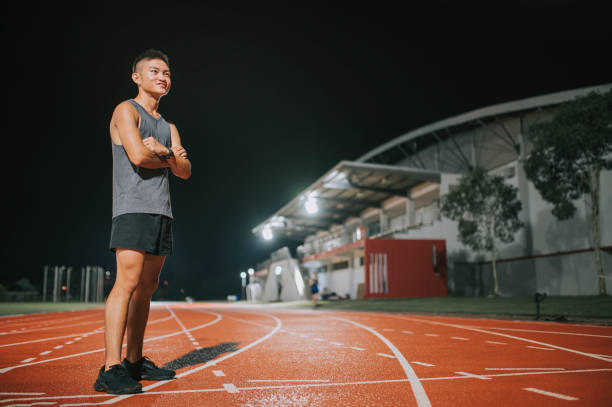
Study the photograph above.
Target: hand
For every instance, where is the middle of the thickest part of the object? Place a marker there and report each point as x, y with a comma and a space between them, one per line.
155, 146
179, 151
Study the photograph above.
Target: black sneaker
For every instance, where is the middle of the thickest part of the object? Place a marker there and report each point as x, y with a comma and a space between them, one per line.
116, 380
145, 369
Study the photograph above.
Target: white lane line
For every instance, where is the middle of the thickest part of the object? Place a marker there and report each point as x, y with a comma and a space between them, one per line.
205, 365
431, 335
218, 373
319, 339
44, 353
524, 368
52, 327
386, 355
41, 403
78, 339
155, 338
538, 347
337, 343
459, 338
289, 386
545, 332
407, 332
356, 348
388, 329
503, 335
27, 360
180, 323
422, 363
69, 343
417, 388
58, 347
496, 343
551, 394
287, 380
20, 394
475, 376
230, 387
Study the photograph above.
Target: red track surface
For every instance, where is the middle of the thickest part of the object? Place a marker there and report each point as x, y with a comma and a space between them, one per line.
313, 358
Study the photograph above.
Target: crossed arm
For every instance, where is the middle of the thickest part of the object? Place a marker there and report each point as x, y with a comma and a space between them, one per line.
145, 153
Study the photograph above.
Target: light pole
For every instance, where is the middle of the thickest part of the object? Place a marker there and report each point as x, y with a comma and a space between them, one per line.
243, 277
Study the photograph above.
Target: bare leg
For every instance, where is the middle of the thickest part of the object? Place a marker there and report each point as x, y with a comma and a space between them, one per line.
129, 269
138, 311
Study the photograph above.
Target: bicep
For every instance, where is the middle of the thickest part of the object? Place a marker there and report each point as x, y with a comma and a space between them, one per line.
175, 138
127, 126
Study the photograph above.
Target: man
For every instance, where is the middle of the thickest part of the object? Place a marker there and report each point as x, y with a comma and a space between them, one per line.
144, 147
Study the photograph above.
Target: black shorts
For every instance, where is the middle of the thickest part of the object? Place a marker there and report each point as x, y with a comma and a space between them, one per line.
142, 231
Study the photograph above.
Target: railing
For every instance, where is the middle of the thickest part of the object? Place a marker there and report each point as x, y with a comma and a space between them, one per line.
424, 216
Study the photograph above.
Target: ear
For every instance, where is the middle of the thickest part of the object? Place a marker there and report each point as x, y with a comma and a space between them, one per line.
136, 78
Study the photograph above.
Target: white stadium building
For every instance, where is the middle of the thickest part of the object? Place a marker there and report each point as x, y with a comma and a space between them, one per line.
372, 227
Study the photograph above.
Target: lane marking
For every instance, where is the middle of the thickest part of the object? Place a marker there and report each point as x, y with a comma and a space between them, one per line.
58, 347
288, 386
386, 356
407, 332
155, 338
356, 348
204, 366
524, 368
42, 403
388, 329
44, 353
544, 332
459, 338
27, 360
475, 376
496, 343
319, 339
218, 373
230, 388
20, 394
504, 335
422, 363
337, 343
287, 380
431, 335
538, 347
551, 394
180, 324
417, 388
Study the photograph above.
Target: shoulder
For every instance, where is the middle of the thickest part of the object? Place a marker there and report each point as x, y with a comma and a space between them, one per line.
125, 110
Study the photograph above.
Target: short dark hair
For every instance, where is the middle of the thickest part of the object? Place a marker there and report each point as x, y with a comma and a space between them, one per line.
150, 54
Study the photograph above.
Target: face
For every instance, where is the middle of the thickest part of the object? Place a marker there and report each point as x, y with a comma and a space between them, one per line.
153, 76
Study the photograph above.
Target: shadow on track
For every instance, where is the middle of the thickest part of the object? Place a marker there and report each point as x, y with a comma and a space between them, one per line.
200, 356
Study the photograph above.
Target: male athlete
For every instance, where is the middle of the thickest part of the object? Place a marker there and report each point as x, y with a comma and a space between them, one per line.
144, 147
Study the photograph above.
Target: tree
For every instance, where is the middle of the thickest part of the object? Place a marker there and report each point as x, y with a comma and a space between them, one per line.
569, 152
486, 210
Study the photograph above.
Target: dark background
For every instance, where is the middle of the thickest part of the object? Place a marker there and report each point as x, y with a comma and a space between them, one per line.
266, 100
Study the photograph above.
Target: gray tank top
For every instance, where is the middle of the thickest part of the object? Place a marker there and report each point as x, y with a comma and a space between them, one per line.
138, 189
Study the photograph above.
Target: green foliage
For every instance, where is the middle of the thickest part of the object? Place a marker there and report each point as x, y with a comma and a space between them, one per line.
23, 284
485, 208
568, 150
3, 291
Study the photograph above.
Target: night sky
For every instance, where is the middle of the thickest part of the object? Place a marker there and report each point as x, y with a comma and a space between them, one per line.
266, 100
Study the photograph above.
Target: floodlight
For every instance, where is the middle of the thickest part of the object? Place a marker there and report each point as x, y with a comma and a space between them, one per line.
242, 274
278, 270
311, 205
251, 271
267, 233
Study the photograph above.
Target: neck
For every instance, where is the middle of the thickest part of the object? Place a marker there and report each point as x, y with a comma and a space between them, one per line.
148, 101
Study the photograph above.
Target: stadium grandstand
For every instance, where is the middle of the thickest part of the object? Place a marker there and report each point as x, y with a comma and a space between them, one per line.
372, 228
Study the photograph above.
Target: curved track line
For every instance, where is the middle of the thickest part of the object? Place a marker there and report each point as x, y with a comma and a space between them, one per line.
77, 334
197, 369
542, 332
417, 387
219, 317
590, 355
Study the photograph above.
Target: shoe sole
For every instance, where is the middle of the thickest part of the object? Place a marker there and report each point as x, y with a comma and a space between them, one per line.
101, 387
145, 377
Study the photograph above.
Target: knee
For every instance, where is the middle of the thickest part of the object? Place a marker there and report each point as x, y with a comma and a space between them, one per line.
149, 285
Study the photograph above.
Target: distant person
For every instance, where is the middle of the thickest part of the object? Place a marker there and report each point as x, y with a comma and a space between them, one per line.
144, 148
314, 290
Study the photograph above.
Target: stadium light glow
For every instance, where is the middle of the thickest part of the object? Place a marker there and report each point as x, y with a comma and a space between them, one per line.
311, 205
242, 274
278, 270
267, 233
251, 271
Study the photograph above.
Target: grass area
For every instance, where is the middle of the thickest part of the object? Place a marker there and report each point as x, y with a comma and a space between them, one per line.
11, 308
578, 306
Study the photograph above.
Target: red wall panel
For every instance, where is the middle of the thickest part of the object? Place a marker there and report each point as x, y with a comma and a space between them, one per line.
403, 268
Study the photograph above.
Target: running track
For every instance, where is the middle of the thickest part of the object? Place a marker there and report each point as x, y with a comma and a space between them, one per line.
261, 356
